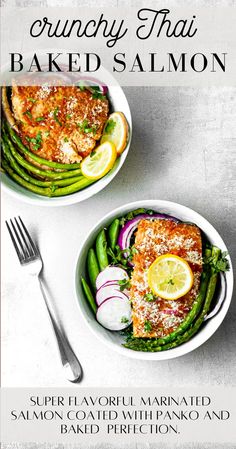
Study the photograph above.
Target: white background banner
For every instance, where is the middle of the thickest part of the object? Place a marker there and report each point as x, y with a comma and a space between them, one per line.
140, 46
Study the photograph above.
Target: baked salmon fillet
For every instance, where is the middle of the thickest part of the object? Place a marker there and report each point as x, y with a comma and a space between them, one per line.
154, 238
59, 123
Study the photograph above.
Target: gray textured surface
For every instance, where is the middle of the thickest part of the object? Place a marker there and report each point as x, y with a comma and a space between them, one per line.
184, 150
133, 3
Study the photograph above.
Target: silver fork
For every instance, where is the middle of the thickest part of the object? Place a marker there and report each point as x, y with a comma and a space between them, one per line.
30, 258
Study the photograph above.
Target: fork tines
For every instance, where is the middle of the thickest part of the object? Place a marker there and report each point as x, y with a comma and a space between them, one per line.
23, 243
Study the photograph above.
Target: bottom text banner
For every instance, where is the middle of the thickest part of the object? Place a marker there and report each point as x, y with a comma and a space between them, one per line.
118, 414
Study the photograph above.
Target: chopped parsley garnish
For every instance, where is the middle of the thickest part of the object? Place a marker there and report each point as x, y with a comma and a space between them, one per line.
97, 94
110, 126
222, 264
131, 252
85, 128
124, 283
147, 326
53, 187
117, 257
122, 257
36, 141
219, 265
32, 100
28, 113
68, 116
66, 139
55, 116
171, 282
47, 133
124, 320
40, 119
149, 297
128, 333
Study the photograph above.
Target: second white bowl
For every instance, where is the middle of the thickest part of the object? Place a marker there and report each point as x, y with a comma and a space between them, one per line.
114, 340
118, 102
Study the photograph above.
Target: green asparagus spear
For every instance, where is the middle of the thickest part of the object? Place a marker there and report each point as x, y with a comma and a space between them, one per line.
57, 165
51, 191
33, 169
79, 185
21, 172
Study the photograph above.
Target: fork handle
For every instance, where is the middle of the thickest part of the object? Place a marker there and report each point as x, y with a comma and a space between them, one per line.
71, 365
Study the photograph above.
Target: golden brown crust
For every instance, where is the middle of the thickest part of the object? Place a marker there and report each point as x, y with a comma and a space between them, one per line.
68, 120
154, 238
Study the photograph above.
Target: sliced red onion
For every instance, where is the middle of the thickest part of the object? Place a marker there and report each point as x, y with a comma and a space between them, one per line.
171, 312
87, 83
104, 89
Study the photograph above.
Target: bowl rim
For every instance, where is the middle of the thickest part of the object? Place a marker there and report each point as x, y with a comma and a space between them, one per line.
22, 194
197, 340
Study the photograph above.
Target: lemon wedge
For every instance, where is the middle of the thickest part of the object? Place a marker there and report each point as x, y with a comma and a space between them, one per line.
116, 131
100, 161
170, 277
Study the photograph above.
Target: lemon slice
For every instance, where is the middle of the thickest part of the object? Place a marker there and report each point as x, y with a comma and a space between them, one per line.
116, 131
100, 161
170, 277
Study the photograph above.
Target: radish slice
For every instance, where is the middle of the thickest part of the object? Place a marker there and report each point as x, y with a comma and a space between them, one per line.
113, 282
115, 313
116, 285
108, 291
111, 274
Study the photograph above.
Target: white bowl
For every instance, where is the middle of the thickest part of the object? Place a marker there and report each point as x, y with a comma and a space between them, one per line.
118, 102
113, 339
